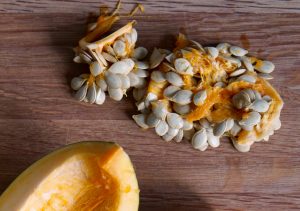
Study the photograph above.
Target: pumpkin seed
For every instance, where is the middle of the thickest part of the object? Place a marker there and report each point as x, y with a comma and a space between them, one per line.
247, 127
77, 59
240, 147
109, 50
85, 57
142, 65
229, 124
241, 100
220, 128
224, 48
115, 94
264, 66
77, 82
257, 95
102, 84
134, 35
182, 97
238, 51
265, 76
91, 93
233, 60
120, 67
156, 58
204, 123
179, 136
113, 81
129, 62
161, 128
140, 105
213, 52
187, 125
252, 119
235, 129
267, 98
220, 84
150, 98
199, 139
125, 81
188, 134
141, 73
134, 79
96, 68
100, 97
197, 45
247, 63
152, 120
170, 58
200, 97
259, 105
109, 57
140, 53
250, 93
237, 72
174, 120
170, 91
172, 132
213, 141
174, 79
158, 76
183, 66
140, 120
119, 48
81, 93
247, 78
141, 83
181, 109
159, 109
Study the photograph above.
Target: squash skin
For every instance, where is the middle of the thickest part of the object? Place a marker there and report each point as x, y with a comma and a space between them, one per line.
112, 159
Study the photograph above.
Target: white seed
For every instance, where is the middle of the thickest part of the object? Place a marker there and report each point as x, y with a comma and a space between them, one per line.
115, 94
81, 93
213, 141
247, 127
229, 124
85, 57
159, 109
150, 98
141, 73
247, 78
250, 93
187, 125
109, 57
252, 119
233, 60
134, 79
220, 84
259, 105
170, 58
181, 109
152, 120
188, 134
162, 128
129, 62
109, 50
241, 100
204, 123
140, 105
265, 76
247, 63
134, 35
199, 97
125, 82
213, 52
235, 129
170, 91
240, 147
113, 80
172, 132
100, 97
238, 51
267, 98
102, 84
174, 120
140, 53
77, 59
257, 95
220, 128
174, 79
140, 120
183, 66
237, 72
142, 65
197, 45
264, 66
119, 48
182, 97
223, 48
158, 76
179, 136
199, 139
96, 68
91, 93
77, 82
138, 94
120, 67
156, 58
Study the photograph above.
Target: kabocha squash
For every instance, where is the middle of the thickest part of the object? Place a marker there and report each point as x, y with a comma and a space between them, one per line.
82, 176
202, 94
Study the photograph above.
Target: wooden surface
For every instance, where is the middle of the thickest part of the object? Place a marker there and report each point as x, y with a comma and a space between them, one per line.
38, 113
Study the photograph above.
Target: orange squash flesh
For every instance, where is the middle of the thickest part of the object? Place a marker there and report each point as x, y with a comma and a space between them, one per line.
82, 176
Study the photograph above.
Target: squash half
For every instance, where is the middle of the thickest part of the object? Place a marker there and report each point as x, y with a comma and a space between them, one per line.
82, 176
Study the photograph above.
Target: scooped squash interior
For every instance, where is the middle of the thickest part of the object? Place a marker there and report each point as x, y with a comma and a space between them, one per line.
83, 176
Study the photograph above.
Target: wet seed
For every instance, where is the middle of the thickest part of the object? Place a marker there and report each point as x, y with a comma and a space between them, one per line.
187, 125
264, 66
265, 76
109, 57
259, 106
96, 68
182, 97
100, 97
134, 79
152, 120
140, 120
252, 119
220, 84
91, 93
199, 97
158, 76
213, 52
161, 128
237, 72
121, 67
174, 79
224, 48
181, 109
247, 63
247, 78
235, 129
140, 53
174, 120
212, 140
142, 65
199, 139
170, 91
183, 66
81, 93
102, 84
119, 48
156, 58
220, 128
113, 81
238, 51
179, 136
77, 82
115, 94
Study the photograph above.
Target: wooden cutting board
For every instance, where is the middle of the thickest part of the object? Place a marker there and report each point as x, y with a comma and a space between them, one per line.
38, 113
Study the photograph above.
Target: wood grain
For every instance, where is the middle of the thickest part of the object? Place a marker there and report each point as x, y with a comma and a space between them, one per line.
38, 113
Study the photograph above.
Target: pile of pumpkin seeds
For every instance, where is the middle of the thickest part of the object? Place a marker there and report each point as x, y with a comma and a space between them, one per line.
166, 113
